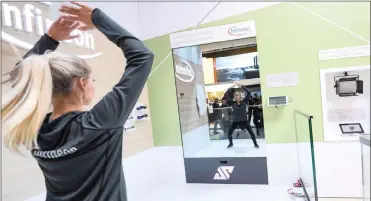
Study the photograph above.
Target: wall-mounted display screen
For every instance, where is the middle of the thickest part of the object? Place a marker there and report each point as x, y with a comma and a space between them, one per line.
237, 67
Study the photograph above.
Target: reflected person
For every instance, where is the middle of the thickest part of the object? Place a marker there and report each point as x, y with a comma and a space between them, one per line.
217, 115
257, 118
239, 107
257, 111
226, 114
250, 109
256, 100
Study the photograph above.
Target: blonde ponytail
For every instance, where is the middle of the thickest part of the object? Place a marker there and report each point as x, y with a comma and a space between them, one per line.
39, 77
25, 106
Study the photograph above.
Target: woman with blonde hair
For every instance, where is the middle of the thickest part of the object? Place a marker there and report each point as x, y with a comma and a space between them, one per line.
79, 152
239, 112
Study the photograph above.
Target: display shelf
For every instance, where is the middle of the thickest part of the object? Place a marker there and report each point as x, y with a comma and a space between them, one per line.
139, 113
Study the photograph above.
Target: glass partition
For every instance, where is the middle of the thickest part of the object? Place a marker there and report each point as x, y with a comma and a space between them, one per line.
365, 147
305, 153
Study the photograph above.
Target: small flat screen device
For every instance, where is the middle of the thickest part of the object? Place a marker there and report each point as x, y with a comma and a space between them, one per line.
352, 128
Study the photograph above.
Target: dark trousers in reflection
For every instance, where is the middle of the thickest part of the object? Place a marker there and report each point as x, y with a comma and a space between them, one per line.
241, 125
249, 114
257, 123
216, 122
226, 124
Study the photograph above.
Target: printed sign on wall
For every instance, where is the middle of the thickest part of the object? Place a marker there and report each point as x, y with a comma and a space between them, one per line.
345, 102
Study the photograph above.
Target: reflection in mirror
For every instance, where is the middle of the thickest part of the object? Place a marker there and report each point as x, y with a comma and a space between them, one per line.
221, 115
220, 100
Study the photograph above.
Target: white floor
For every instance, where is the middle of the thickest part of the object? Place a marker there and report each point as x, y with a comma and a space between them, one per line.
241, 148
197, 143
158, 175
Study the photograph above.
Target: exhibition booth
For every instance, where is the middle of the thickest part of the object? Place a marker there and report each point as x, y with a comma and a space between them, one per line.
208, 61
310, 101
314, 97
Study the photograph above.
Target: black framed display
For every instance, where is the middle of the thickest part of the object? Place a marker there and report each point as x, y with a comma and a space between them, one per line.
351, 128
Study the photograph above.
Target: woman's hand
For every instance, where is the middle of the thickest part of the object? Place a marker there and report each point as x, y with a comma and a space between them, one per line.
61, 29
82, 14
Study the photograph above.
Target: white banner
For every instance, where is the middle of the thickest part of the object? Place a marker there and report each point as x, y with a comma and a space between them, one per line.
347, 52
282, 80
213, 34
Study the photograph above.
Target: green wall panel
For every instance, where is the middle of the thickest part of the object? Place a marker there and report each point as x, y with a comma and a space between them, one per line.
288, 39
162, 95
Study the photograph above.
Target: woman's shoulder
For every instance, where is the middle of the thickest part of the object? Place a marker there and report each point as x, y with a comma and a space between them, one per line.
88, 121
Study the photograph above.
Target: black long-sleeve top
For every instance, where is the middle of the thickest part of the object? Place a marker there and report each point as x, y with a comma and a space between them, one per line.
239, 110
80, 153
